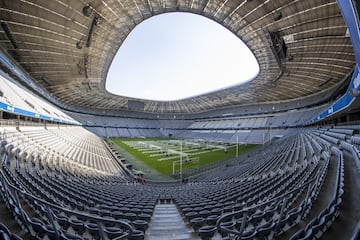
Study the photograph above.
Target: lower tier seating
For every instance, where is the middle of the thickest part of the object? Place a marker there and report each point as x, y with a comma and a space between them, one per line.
65, 184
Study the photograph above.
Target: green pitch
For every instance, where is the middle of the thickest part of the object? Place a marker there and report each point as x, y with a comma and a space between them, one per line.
160, 154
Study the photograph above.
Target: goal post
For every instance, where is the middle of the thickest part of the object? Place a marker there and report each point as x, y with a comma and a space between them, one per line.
177, 165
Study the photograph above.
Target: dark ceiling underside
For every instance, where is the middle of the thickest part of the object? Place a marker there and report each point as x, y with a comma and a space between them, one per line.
68, 49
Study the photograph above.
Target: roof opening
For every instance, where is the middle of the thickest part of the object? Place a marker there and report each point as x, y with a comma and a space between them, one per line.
175, 56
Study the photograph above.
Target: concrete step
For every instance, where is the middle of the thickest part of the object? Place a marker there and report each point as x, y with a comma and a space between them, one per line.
167, 224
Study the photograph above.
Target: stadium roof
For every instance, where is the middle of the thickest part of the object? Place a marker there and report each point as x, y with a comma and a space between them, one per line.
302, 46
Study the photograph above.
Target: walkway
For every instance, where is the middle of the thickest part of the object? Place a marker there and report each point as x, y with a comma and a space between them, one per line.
167, 224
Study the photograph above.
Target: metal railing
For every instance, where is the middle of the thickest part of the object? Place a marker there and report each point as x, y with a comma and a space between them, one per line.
283, 198
13, 190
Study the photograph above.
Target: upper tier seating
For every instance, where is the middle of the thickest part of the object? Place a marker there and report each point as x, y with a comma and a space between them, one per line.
18, 97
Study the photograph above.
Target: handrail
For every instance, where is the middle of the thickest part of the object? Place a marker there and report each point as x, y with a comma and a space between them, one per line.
121, 223
242, 211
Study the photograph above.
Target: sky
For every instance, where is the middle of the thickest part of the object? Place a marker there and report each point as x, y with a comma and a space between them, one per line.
174, 56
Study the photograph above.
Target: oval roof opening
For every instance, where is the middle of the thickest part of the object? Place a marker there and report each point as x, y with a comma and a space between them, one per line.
175, 56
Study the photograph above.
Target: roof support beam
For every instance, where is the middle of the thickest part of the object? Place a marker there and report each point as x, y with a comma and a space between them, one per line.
9, 35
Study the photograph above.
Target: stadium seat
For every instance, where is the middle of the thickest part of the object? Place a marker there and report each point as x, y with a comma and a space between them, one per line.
141, 225
77, 226
93, 229
308, 235
264, 230
39, 227
298, 235
72, 236
256, 218
312, 223
204, 213
320, 228
144, 216
137, 235
207, 232
53, 233
4, 229
15, 237
227, 225
212, 219
248, 235
113, 232
191, 215
130, 216
197, 222
4, 235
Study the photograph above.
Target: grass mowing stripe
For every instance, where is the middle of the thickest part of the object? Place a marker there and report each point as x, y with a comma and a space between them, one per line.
166, 166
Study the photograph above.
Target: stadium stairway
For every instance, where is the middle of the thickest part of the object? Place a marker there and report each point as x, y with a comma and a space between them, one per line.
344, 227
167, 223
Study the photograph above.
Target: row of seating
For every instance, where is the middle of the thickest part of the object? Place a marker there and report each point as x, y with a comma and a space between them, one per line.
56, 146
332, 210
19, 97
260, 190
33, 179
284, 220
318, 225
264, 196
52, 218
6, 234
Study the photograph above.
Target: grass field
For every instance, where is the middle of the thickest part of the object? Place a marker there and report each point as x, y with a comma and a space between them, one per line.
155, 152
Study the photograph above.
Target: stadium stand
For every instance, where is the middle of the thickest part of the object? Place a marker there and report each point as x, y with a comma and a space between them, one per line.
62, 178
68, 196
25, 103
